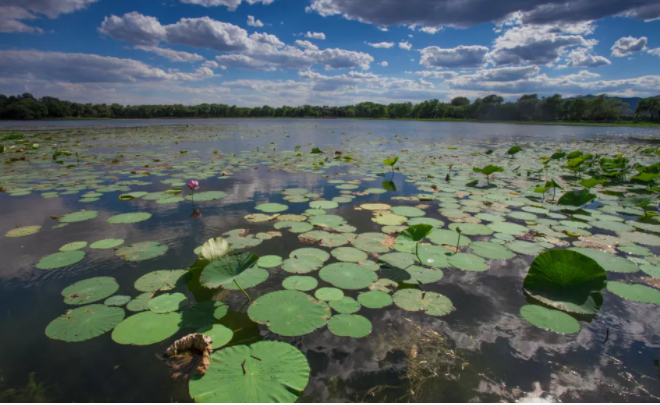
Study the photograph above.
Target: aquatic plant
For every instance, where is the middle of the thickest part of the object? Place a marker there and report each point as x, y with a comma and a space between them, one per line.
488, 171
416, 234
513, 151
391, 162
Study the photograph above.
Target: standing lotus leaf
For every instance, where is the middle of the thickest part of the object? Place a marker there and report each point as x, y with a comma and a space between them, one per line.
265, 372
566, 280
289, 312
576, 198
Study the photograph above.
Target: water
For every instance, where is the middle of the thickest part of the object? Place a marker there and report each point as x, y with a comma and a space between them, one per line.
497, 355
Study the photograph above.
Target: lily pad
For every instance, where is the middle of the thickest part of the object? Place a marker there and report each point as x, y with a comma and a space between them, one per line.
430, 302
329, 294
90, 290
346, 305
408, 211
374, 299
140, 302
167, 303
272, 207
348, 276
117, 300
84, 323
349, 254
73, 246
146, 328
323, 205
550, 319
289, 312
161, 280
635, 292
225, 270
219, 334
265, 372
206, 196
388, 218
269, 261
300, 283
447, 237
106, 243
79, 216
301, 265
129, 218
23, 231
608, 261
312, 253
141, 251
468, 262
491, 250
508, 228
60, 259
355, 326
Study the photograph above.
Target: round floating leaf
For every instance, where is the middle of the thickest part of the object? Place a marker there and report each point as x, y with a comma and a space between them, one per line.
355, 326
323, 205
412, 274
635, 292
84, 323
491, 250
566, 280
106, 243
524, 247
73, 246
388, 218
508, 228
550, 319
374, 299
265, 372
60, 259
651, 270
206, 196
641, 238
373, 242
300, 283
146, 328
161, 280
23, 231
447, 237
416, 300
349, 254
79, 216
327, 221
346, 305
272, 207
375, 207
329, 294
608, 261
289, 312
203, 314
408, 211
312, 253
141, 251
269, 261
129, 218
348, 276
434, 256
117, 300
301, 265
468, 262
249, 278
140, 302
227, 269
167, 303
219, 334
294, 226
90, 290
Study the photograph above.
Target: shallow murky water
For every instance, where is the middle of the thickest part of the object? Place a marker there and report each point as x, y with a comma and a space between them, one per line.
482, 350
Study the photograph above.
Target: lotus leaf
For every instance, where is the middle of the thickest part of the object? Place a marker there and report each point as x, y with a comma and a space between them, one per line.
141, 251
550, 319
348, 276
289, 312
146, 328
90, 290
355, 326
430, 302
84, 323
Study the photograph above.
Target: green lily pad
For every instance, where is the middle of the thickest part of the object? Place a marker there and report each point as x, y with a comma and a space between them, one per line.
272, 207
79, 216
408, 211
355, 326
167, 303
294, 226
206, 196
248, 279
323, 205
434, 256
327, 221
129, 218
23, 231
447, 237
508, 228
349, 254
415, 300
146, 328
289, 312
312, 253
265, 372
84, 323
161, 280
641, 238
203, 314
90, 290
269, 261
524, 247
348, 276
635, 292
301, 265
117, 300
300, 283
388, 218
468, 262
225, 270
491, 250
106, 243
140, 302
329, 294
60, 259
608, 261
550, 319
346, 305
73, 246
141, 251
374, 299
219, 334
471, 229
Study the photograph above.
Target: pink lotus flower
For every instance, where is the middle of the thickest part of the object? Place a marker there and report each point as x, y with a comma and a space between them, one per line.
193, 185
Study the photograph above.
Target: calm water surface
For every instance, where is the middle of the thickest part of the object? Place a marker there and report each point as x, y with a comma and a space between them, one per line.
501, 356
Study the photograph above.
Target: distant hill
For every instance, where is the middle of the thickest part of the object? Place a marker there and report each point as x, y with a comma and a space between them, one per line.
631, 101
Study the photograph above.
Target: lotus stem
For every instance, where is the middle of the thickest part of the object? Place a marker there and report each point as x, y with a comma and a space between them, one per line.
241, 288
458, 242
417, 252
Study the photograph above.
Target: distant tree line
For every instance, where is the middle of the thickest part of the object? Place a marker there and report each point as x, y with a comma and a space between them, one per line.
493, 107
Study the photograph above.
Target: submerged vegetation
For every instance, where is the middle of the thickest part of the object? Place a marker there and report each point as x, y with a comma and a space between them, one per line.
342, 254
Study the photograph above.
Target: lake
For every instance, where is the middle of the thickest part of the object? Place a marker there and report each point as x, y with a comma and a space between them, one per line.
373, 316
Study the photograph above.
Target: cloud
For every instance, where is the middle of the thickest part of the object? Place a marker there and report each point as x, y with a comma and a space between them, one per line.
405, 45
257, 51
230, 4
86, 68
466, 13
254, 23
471, 56
384, 63
210, 64
628, 45
538, 45
506, 74
14, 12
655, 52
431, 30
315, 35
436, 74
174, 56
386, 45
306, 45
582, 58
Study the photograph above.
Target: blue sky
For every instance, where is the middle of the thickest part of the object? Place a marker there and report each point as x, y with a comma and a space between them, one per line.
333, 52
